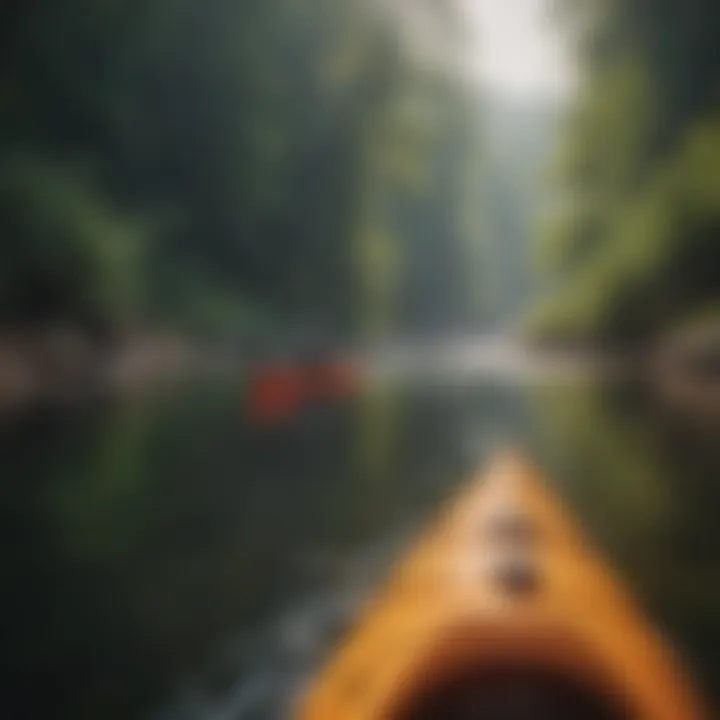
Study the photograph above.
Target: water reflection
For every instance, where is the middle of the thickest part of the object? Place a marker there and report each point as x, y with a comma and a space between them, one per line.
168, 559
644, 480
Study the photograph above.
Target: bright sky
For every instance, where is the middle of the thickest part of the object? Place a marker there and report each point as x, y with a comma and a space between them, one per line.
518, 51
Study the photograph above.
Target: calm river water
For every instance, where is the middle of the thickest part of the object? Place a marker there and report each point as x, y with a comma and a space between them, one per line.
164, 559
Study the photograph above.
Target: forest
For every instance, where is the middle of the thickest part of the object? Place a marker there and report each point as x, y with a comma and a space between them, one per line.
227, 167
630, 249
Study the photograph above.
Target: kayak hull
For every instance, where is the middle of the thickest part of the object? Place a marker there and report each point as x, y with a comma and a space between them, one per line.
505, 585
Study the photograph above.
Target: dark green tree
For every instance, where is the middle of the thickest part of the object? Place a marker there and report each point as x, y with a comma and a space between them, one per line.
633, 249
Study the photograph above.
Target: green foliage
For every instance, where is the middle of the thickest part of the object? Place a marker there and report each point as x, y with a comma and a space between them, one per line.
241, 146
632, 249
66, 253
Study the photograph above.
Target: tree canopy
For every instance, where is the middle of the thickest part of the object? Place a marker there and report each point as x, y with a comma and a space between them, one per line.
212, 162
633, 246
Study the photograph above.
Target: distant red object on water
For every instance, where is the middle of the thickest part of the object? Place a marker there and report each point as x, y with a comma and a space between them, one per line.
278, 390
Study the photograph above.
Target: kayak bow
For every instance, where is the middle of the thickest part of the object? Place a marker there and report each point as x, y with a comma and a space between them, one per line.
503, 611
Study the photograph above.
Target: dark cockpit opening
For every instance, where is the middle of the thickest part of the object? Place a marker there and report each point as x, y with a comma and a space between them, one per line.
513, 693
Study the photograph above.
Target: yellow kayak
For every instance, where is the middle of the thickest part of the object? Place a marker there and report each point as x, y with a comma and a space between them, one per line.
503, 611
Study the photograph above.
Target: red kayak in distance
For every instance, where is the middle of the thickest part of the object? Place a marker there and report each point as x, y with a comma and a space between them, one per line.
279, 389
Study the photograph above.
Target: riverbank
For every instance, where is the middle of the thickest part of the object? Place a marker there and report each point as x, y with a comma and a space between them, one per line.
680, 367
62, 364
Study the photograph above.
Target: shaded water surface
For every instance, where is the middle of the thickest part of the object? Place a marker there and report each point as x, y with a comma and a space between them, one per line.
164, 559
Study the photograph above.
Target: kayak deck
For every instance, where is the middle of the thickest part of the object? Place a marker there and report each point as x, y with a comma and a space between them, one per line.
503, 597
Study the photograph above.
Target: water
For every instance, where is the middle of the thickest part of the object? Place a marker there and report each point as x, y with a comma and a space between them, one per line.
163, 559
